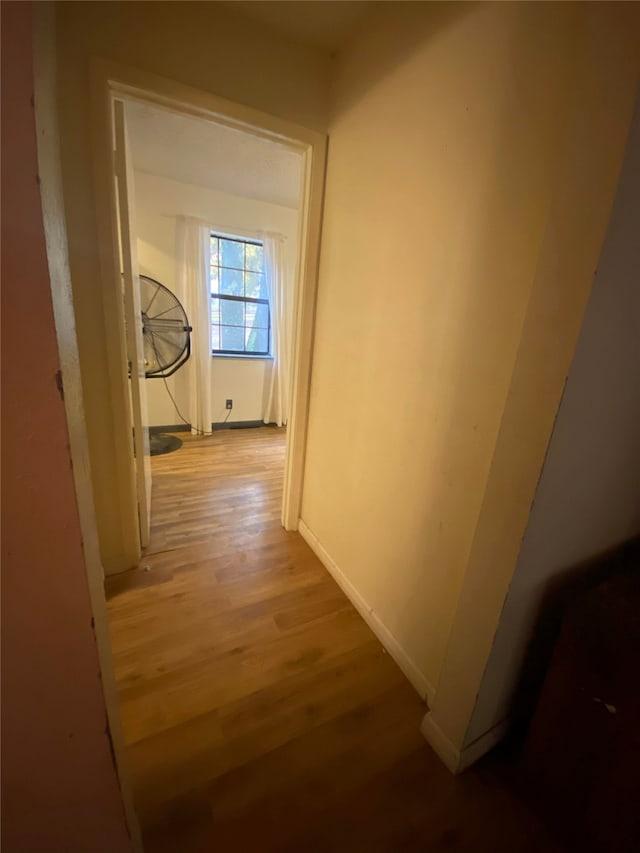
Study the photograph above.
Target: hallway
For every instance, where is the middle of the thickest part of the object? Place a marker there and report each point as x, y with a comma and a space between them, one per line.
259, 710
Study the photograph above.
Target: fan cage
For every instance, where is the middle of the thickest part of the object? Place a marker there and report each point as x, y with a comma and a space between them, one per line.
165, 329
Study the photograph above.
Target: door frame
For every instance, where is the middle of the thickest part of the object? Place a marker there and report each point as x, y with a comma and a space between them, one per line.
112, 81
125, 193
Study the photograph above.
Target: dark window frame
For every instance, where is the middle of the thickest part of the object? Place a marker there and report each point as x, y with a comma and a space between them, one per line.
243, 353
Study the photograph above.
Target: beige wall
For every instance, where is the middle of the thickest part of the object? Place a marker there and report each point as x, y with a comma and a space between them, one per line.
244, 380
473, 156
199, 44
588, 498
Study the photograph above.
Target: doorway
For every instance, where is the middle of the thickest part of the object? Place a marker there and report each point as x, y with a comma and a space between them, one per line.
115, 85
244, 191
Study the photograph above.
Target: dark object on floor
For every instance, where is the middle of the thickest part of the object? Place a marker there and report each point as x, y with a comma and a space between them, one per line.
160, 444
581, 756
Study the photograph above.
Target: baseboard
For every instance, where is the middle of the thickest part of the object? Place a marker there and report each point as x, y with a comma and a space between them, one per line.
115, 564
236, 425
483, 744
156, 430
440, 743
408, 667
458, 760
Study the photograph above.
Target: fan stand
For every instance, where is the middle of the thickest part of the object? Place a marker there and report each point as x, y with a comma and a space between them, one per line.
162, 443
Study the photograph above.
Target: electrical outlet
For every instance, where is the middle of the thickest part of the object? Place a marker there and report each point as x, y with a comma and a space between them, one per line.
229, 404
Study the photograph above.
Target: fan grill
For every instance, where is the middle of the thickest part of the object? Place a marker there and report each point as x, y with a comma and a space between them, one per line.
165, 329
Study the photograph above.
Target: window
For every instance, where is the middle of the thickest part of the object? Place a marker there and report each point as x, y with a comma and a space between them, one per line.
240, 317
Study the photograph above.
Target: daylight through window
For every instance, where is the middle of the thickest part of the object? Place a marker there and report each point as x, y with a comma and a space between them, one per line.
240, 317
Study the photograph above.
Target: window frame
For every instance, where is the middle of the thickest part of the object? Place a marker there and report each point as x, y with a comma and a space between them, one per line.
243, 299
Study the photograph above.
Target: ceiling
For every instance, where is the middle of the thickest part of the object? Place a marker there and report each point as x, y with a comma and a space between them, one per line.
195, 151
327, 24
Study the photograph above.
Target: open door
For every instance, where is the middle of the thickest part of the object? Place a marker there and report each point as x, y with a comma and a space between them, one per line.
133, 318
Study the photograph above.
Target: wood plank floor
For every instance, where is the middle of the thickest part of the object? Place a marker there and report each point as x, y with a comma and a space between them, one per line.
260, 712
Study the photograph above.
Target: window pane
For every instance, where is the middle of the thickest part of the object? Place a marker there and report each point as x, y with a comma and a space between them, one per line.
232, 253
232, 338
237, 269
261, 316
231, 283
254, 257
232, 312
254, 285
257, 340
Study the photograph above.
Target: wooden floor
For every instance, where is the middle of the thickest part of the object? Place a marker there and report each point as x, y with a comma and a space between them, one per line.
260, 712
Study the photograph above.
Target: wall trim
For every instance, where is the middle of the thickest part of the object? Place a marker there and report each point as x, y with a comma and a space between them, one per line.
46, 87
454, 759
237, 425
440, 743
216, 425
481, 745
408, 667
156, 430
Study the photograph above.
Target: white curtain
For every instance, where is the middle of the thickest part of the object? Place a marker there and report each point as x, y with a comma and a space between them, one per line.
192, 280
277, 404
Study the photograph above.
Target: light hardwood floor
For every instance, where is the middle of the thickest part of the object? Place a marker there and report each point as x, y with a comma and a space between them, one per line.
259, 711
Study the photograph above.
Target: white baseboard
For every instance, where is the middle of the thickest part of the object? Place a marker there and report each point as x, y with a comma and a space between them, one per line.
458, 760
408, 667
440, 743
481, 745
114, 564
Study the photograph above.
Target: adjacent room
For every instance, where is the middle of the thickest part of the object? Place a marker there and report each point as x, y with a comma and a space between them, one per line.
222, 386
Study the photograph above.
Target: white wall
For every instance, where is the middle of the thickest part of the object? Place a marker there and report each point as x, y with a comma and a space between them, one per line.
588, 499
158, 200
460, 235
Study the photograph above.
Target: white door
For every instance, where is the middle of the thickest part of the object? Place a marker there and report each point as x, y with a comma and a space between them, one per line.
133, 318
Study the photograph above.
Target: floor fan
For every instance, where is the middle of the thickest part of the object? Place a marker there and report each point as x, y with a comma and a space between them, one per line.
167, 345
